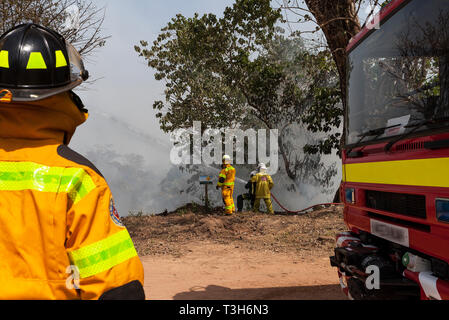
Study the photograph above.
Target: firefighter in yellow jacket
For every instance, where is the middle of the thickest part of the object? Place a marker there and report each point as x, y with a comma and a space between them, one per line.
61, 236
264, 184
226, 181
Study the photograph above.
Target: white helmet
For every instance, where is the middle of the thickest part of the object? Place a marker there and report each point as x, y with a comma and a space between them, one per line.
226, 159
262, 166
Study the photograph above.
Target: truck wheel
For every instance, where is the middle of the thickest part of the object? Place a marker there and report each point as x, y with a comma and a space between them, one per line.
358, 291
386, 268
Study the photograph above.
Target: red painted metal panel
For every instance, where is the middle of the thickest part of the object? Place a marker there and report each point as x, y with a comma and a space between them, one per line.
433, 238
422, 241
438, 228
376, 153
441, 285
443, 289
414, 276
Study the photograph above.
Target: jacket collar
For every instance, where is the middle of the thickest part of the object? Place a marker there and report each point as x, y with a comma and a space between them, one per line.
53, 119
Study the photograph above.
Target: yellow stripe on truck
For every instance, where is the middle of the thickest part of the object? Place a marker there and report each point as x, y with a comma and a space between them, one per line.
419, 172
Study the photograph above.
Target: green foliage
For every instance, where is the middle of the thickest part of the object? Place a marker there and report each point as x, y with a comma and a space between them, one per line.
205, 59
385, 3
235, 70
323, 112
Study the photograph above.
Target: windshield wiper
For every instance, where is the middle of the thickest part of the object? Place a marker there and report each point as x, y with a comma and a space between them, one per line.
373, 132
416, 127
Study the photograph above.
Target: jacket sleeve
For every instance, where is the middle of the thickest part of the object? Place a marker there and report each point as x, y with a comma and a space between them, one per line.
254, 185
270, 182
101, 250
221, 178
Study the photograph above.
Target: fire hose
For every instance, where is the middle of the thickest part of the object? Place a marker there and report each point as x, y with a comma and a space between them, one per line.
303, 211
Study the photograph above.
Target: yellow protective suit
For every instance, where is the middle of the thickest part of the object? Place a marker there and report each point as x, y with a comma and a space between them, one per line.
61, 237
227, 175
264, 184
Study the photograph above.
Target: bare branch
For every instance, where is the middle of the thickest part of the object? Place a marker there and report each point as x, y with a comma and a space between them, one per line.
52, 13
370, 15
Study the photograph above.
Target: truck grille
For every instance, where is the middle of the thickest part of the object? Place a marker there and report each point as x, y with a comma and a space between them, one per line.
405, 204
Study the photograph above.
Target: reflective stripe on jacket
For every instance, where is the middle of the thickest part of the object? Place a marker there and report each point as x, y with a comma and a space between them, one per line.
58, 217
228, 174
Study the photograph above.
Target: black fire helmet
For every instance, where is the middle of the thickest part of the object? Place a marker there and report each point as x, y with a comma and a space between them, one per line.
36, 63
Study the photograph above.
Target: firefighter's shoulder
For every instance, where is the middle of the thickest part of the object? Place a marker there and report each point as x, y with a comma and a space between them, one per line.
72, 158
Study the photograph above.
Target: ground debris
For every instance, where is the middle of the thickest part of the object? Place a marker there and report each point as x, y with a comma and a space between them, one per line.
170, 233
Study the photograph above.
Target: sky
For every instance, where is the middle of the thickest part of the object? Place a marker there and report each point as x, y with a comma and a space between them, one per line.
126, 86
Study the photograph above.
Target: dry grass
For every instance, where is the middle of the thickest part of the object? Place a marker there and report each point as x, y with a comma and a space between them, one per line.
171, 233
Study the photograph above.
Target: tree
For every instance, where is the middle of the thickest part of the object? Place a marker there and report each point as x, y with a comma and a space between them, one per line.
339, 20
232, 71
54, 14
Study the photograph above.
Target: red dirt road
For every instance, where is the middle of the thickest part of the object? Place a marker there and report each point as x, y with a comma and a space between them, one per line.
211, 271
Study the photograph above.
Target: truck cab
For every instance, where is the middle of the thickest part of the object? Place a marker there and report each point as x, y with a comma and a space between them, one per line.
396, 157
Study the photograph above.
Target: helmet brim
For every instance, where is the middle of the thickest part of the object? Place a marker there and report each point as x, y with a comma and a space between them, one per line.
29, 95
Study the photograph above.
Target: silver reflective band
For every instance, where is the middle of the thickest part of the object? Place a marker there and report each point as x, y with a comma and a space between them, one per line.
77, 70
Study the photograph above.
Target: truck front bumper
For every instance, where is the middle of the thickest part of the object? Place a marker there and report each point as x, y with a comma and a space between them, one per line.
350, 250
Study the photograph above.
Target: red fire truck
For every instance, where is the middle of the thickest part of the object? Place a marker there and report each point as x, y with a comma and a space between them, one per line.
396, 157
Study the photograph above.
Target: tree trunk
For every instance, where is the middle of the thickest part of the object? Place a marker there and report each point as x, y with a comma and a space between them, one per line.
339, 21
292, 175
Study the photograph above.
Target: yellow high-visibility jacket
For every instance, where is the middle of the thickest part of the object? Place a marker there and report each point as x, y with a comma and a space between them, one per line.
60, 235
227, 175
264, 184
226, 181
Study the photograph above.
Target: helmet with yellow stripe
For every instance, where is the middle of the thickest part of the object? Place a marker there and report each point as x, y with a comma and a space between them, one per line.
37, 63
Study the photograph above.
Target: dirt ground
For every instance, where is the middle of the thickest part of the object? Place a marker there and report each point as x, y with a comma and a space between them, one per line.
189, 255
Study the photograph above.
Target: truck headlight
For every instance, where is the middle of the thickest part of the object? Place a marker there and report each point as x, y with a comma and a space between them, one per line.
442, 210
350, 195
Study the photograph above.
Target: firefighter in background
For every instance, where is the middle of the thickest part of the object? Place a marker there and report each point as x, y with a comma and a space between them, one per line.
61, 236
250, 195
264, 184
226, 181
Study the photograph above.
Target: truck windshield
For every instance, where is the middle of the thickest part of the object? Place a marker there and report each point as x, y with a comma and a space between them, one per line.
399, 74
